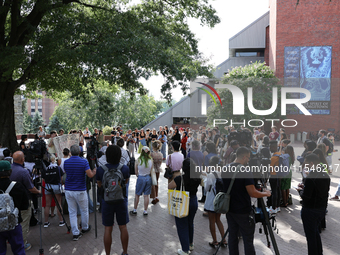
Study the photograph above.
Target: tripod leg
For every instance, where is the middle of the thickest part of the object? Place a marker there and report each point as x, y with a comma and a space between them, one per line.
60, 210
219, 245
270, 230
94, 204
266, 233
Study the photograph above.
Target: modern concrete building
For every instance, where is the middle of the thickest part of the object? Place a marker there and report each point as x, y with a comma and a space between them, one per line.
185, 112
247, 46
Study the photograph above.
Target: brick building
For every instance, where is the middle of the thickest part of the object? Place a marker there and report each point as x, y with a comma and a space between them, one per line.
301, 43
45, 106
314, 27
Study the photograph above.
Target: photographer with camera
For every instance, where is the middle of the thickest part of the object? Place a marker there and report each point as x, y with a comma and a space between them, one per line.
21, 175
240, 216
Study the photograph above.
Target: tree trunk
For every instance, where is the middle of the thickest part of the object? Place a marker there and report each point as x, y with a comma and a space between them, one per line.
7, 126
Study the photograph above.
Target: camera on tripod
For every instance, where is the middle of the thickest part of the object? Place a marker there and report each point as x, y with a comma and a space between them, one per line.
243, 136
92, 147
38, 148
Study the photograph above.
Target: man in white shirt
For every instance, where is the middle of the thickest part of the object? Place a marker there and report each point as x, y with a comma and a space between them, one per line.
87, 132
41, 133
125, 159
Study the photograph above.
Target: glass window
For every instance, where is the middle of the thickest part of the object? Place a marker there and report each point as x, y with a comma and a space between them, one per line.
39, 110
246, 54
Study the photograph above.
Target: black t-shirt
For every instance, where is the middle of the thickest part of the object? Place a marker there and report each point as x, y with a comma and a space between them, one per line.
18, 193
113, 132
315, 193
22, 143
52, 175
154, 137
327, 143
191, 186
239, 198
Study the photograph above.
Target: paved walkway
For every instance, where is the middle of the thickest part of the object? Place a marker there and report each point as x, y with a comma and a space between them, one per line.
156, 233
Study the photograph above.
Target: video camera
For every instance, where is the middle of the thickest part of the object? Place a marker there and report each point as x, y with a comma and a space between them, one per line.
92, 147
38, 148
244, 137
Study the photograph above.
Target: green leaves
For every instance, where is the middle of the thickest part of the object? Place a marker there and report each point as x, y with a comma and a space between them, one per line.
261, 79
104, 106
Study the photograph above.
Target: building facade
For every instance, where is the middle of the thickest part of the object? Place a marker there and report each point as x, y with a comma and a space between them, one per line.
44, 106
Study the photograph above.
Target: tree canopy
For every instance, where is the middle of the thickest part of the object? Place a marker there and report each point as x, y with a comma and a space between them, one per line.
105, 106
58, 45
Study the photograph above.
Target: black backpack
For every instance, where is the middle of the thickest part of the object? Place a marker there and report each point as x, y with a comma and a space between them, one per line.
114, 186
131, 164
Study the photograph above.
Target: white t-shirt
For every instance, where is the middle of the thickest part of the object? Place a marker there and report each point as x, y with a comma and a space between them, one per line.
62, 164
124, 160
142, 170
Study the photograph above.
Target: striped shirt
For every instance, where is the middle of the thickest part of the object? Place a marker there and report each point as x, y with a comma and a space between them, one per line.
75, 168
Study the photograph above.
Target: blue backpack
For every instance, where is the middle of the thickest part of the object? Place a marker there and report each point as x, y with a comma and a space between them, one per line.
284, 164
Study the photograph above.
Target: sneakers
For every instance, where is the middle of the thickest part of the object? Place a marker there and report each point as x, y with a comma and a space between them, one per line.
61, 223
145, 213
27, 246
271, 210
47, 224
191, 247
134, 213
76, 237
278, 209
87, 230
335, 198
180, 252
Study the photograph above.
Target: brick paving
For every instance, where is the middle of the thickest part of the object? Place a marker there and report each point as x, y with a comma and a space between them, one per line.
156, 233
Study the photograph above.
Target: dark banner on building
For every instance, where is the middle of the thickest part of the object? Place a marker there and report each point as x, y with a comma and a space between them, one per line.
310, 68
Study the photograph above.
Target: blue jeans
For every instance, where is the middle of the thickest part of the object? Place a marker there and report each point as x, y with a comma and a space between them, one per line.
79, 198
163, 150
242, 223
185, 225
311, 219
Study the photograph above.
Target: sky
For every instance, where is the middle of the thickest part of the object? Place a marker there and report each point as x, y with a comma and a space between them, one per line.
214, 42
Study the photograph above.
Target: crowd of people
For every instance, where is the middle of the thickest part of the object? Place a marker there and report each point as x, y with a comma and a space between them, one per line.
180, 149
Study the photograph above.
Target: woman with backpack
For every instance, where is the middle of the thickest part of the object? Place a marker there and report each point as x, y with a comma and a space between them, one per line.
143, 168
185, 225
214, 218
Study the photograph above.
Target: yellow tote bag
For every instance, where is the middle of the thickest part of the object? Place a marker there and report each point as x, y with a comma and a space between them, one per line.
178, 202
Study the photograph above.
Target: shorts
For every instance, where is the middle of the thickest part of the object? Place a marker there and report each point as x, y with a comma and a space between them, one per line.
110, 210
56, 189
143, 185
